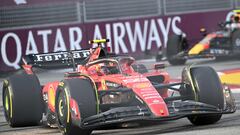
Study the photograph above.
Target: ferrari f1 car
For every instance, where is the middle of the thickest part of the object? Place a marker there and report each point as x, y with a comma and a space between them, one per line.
225, 42
105, 88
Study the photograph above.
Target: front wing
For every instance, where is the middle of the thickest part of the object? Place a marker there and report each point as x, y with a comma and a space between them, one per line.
177, 109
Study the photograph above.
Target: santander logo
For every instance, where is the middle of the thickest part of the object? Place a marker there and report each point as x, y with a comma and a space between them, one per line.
18, 2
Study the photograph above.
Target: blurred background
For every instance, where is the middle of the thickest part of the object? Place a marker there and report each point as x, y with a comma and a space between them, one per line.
137, 27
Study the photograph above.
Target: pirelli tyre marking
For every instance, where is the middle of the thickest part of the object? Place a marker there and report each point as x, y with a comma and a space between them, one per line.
8, 100
60, 106
68, 105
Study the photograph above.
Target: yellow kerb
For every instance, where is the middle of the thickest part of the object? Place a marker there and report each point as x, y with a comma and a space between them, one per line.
233, 78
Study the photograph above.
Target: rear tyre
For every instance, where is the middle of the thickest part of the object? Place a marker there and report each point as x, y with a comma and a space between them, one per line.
175, 45
140, 68
209, 91
82, 91
22, 100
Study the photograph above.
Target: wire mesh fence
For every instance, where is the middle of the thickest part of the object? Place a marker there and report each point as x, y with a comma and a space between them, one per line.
102, 10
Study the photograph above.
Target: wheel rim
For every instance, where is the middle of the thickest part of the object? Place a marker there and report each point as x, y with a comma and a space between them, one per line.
61, 110
60, 106
7, 102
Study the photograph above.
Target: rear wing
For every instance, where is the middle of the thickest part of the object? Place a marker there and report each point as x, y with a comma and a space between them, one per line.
56, 59
62, 59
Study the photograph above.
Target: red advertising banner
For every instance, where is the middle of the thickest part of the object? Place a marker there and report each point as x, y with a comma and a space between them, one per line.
132, 36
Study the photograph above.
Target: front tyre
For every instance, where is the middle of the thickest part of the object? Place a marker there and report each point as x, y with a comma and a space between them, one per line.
82, 91
208, 90
63, 117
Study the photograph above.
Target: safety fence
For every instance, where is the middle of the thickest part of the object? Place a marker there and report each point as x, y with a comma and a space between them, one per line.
190, 6
81, 11
29, 15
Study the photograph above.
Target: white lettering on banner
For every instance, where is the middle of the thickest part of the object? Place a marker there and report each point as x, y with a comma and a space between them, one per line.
31, 44
44, 34
153, 35
118, 38
144, 35
97, 35
59, 42
141, 35
165, 29
138, 34
13, 64
75, 43
108, 33
175, 29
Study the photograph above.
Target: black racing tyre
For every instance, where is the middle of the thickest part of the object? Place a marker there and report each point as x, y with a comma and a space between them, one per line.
209, 90
140, 68
22, 100
175, 45
84, 93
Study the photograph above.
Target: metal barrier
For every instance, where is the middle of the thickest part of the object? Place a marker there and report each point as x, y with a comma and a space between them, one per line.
29, 15
103, 10
96, 10
190, 6
237, 3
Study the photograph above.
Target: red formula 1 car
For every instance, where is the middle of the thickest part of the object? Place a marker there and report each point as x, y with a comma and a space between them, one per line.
218, 44
105, 89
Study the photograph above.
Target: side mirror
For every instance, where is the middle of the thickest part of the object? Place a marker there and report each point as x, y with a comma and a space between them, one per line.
158, 66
